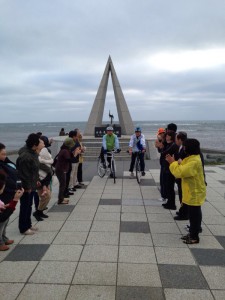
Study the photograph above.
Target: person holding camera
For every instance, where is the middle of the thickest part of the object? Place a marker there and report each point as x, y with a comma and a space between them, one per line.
137, 144
110, 142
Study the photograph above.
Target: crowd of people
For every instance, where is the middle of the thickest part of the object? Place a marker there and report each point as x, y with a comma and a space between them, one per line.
30, 179
181, 161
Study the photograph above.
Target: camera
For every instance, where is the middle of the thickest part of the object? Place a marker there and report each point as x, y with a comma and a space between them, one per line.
160, 140
19, 185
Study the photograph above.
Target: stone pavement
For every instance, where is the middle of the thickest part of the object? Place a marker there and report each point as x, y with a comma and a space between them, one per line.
116, 242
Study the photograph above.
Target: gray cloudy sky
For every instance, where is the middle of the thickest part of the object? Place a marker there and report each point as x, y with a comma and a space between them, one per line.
169, 57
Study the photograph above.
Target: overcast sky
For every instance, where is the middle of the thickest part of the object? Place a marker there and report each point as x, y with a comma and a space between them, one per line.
169, 57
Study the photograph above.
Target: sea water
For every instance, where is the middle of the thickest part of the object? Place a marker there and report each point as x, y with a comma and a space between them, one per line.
211, 134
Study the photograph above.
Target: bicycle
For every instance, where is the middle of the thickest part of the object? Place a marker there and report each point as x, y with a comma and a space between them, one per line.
102, 169
138, 167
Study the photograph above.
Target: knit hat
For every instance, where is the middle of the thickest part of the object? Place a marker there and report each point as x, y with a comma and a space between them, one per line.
161, 130
69, 142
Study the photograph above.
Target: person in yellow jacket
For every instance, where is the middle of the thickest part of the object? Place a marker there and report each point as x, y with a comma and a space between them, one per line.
190, 170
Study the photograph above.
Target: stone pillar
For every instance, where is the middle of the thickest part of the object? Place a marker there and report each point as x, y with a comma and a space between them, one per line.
96, 115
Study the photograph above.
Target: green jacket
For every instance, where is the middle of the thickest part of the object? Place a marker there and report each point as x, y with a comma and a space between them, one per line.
110, 142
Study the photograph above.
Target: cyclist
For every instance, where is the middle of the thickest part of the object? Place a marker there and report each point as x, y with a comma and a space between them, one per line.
110, 142
137, 143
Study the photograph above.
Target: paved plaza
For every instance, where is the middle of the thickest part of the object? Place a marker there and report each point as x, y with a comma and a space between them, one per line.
116, 242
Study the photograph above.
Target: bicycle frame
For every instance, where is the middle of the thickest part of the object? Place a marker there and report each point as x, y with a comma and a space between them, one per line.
103, 170
111, 156
138, 167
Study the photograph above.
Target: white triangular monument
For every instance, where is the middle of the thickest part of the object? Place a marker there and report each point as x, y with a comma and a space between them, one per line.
96, 115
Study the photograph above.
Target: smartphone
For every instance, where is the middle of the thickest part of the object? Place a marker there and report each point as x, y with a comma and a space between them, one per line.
18, 185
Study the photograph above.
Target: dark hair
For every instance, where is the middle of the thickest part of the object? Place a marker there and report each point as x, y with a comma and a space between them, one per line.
39, 133
172, 127
2, 179
182, 136
45, 140
172, 134
192, 146
32, 140
2, 146
72, 133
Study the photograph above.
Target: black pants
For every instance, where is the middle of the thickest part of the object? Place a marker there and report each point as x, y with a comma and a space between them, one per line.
36, 199
169, 187
66, 190
62, 185
142, 162
162, 179
26, 202
178, 182
195, 218
80, 173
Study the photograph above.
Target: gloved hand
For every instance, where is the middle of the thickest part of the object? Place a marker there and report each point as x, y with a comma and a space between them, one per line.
105, 151
118, 150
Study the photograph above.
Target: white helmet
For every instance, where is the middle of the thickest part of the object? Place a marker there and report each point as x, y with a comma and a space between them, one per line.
109, 128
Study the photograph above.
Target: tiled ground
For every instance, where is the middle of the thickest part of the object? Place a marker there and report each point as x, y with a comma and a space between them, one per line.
116, 242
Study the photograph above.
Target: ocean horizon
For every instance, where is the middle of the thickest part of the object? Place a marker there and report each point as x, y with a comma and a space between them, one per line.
210, 133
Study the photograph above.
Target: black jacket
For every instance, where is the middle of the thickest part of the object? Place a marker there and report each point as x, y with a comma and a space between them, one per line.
28, 165
9, 169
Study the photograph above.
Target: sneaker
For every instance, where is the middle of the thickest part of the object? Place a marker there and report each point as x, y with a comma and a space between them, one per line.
9, 242
143, 173
34, 228
29, 232
70, 193
43, 215
131, 174
37, 216
77, 186
162, 199
4, 247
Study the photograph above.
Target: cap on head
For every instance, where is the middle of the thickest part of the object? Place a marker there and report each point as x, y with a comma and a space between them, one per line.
138, 129
109, 128
161, 130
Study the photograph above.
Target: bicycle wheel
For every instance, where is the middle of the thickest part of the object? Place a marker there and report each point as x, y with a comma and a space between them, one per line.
113, 171
100, 168
138, 170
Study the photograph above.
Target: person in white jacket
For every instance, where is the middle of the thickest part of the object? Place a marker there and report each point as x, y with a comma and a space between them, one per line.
137, 145
45, 176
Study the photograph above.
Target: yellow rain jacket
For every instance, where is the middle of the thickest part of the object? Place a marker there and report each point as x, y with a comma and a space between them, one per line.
193, 183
